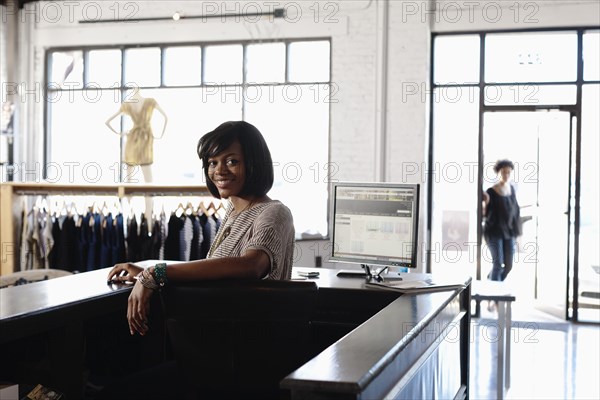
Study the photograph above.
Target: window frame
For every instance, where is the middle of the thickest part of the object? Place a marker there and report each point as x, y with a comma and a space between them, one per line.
575, 109
123, 87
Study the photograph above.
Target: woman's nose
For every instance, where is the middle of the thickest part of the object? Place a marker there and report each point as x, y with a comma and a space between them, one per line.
220, 168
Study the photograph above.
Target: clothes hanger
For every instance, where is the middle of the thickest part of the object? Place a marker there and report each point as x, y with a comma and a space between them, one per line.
105, 210
70, 208
220, 211
179, 210
63, 209
189, 208
212, 209
203, 208
118, 207
54, 210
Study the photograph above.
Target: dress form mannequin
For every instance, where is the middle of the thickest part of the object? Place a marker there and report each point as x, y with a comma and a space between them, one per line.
139, 146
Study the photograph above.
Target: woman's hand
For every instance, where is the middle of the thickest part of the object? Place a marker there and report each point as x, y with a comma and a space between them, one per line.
124, 273
138, 306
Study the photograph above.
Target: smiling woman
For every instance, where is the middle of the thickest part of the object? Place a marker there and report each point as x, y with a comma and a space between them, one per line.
255, 239
242, 150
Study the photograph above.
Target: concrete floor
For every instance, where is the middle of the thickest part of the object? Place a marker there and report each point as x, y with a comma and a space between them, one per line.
551, 358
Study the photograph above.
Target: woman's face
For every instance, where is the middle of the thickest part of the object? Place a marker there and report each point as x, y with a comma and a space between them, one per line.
505, 174
227, 170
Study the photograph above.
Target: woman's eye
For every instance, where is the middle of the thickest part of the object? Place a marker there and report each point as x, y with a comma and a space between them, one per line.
212, 164
232, 162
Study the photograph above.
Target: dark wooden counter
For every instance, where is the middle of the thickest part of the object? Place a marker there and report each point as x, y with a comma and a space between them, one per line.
416, 346
41, 306
369, 343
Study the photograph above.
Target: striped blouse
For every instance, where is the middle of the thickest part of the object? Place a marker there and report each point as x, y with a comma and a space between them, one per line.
266, 226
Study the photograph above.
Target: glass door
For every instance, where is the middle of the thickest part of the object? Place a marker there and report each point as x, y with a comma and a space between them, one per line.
587, 278
538, 143
532, 97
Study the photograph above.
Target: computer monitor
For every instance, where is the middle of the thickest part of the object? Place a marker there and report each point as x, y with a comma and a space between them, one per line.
374, 223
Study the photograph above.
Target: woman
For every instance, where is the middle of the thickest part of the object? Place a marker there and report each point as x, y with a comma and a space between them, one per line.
255, 239
502, 221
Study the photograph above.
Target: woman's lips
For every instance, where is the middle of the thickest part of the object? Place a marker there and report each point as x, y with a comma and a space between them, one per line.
222, 183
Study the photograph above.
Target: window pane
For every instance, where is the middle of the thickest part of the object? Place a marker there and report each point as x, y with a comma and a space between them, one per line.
309, 61
142, 67
265, 63
531, 57
530, 95
223, 65
454, 173
88, 155
589, 235
183, 108
456, 59
591, 56
183, 66
300, 150
104, 68
66, 70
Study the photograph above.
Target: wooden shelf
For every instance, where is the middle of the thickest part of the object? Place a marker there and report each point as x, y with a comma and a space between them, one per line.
10, 209
120, 189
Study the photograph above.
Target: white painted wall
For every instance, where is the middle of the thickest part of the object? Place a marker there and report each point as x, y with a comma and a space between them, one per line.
379, 48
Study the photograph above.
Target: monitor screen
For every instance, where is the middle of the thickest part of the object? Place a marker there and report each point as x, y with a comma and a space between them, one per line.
374, 223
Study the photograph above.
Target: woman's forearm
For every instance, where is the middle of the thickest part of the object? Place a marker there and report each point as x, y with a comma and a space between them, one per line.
253, 265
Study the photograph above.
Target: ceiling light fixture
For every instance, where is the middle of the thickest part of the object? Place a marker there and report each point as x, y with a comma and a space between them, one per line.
276, 13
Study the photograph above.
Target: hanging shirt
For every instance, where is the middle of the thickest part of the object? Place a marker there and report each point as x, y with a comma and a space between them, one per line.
85, 233
53, 258
95, 239
118, 240
133, 243
69, 257
164, 232
197, 238
172, 243
156, 239
145, 240
185, 238
209, 231
26, 241
38, 253
47, 241
106, 259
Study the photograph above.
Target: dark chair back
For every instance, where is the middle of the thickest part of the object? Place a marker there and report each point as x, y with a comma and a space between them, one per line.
239, 339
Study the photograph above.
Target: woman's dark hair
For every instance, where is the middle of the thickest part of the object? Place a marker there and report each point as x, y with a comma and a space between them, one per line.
503, 163
257, 157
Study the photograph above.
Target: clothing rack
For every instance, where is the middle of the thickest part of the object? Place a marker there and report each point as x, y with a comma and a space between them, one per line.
10, 207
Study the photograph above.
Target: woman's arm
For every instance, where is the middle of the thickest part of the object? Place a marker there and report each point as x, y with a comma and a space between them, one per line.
486, 201
254, 264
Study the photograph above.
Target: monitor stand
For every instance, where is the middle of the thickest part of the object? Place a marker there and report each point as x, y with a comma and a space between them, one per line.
376, 274
351, 273
369, 273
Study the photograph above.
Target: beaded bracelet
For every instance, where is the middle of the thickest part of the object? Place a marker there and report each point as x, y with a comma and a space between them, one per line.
160, 274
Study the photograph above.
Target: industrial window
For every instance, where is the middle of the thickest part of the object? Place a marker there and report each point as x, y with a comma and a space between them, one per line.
282, 87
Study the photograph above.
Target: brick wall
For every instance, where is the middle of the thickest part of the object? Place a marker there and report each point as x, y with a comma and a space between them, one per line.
369, 106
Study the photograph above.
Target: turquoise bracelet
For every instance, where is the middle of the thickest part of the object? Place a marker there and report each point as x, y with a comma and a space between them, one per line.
160, 274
